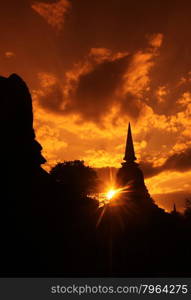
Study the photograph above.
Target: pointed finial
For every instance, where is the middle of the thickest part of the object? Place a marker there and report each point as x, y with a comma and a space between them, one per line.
129, 151
174, 208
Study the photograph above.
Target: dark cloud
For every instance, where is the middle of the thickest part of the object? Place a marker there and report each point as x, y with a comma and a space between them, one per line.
149, 170
180, 162
94, 92
52, 99
130, 105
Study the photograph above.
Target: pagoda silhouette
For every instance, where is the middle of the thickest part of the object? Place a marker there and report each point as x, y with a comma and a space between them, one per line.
130, 177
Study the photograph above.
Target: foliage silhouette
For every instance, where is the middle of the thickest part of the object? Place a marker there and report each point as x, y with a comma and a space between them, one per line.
77, 177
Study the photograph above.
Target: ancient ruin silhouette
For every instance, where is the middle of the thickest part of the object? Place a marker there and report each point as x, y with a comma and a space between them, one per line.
131, 177
48, 231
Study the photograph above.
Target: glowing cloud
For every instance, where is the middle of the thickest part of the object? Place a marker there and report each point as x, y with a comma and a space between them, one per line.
53, 13
156, 40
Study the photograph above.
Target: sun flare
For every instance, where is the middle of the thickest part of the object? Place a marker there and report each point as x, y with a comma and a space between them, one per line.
110, 194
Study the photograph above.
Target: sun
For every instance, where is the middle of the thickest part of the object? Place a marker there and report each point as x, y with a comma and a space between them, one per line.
110, 194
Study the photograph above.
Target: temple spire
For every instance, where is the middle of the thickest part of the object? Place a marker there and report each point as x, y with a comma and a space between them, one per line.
129, 151
174, 208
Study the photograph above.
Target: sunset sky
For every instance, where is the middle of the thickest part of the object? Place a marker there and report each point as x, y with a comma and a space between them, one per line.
93, 66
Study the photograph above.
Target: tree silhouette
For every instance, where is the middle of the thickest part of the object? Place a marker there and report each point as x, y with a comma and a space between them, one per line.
76, 177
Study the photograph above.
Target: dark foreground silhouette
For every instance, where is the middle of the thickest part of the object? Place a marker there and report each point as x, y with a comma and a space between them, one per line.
50, 229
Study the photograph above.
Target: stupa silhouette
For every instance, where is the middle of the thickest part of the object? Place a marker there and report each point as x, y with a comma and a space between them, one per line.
131, 178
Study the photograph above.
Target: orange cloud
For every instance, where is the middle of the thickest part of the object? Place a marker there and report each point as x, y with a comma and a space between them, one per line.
161, 93
53, 13
185, 99
156, 40
88, 89
136, 78
98, 83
